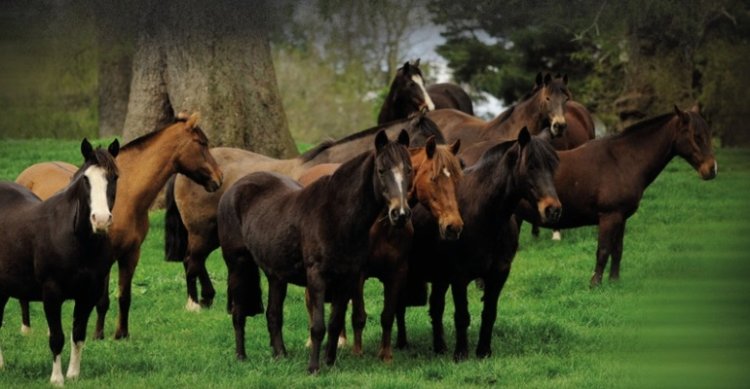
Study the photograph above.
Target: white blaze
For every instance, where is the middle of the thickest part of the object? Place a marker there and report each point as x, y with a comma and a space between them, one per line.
446, 172
57, 376
2, 363
427, 99
399, 178
74, 367
100, 212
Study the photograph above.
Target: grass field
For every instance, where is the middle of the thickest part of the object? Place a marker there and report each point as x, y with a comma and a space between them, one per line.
678, 318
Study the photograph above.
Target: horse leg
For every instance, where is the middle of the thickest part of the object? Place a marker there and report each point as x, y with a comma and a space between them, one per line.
3, 300
275, 315
25, 317
238, 286
341, 298
437, 307
316, 287
126, 267
102, 306
359, 315
608, 225
461, 319
393, 288
614, 268
401, 342
81, 313
493, 286
52, 299
195, 265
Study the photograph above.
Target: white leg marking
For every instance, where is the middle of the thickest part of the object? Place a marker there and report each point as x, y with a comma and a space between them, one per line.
308, 343
556, 235
427, 99
25, 330
57, 376
192, 306
342, 342
74, 367
100, 212
2, 363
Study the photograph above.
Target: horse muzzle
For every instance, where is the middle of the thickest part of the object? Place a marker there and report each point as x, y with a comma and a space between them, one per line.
100, 222
550, 210
557, 129
709, 170
451, 231
399, 216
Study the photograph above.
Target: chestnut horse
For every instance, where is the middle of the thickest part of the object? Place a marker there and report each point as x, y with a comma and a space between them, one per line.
58, 249
408, 95
190, 226
315, 236
487, 197
602, 182
436, 175
145, 165
46, 178
543, 107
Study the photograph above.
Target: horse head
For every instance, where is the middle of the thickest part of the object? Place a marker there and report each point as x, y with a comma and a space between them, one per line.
536, 163
193, 158
551, 95
408, 88
693, 142
437, 171
393, 175
98, 185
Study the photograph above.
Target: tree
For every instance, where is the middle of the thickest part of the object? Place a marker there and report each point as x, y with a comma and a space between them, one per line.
213, 58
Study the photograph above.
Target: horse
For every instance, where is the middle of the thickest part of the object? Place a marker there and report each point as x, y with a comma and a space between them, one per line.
602, 182
407, 95
436, 175
488, 195
56, 250
145, 165
190, 226
315, 236
46, 178
541, 108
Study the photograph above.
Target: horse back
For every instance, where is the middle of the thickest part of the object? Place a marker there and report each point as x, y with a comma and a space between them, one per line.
447, 95
46, 178
455, 124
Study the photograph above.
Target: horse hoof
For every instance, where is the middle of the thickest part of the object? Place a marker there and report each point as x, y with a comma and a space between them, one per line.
25, 330
192, 306
121, 335
459, 356
313, 369
241, 357
385, 356
341, 343
483, 353
556, 235
206, 303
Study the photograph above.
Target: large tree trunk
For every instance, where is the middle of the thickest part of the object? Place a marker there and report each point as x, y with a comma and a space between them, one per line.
213, 58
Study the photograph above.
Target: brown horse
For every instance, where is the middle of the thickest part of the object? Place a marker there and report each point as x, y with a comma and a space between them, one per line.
436, 175
58, 249
407, 95
315, 236
488, 195
602, 182
46, 178
543, 107
190, 227
145, 165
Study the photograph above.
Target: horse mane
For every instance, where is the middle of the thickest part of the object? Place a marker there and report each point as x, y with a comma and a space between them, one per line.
444, 159
102, 158
144, 139
655, 121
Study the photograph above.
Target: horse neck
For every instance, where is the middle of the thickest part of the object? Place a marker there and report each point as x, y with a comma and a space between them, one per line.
351, 189
647, 151
143, 172
525, 114
490, 200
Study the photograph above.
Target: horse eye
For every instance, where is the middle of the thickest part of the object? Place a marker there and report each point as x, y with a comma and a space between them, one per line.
381, 171
548, 98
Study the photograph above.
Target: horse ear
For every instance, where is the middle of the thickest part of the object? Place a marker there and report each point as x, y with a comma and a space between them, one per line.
381, 139
547, 79
182, 115
696, 107
406, 67
193, 120
114, 148
684, 116
416, 63
455, 147
538, 80
565, 79
430, 146
403, 138
86, 149
524, 137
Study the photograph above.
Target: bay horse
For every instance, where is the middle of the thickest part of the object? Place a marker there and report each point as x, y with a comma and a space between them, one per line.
57, 250
543, 107
487, 195
315, 236
602, 182
436, 175
145, 165
407, 95
190, 222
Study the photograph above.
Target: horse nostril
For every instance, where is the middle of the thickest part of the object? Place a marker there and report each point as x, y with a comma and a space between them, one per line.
553, 214
407, 213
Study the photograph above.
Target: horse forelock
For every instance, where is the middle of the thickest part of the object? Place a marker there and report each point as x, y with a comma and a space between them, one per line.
539, 153
102, 158
444, 161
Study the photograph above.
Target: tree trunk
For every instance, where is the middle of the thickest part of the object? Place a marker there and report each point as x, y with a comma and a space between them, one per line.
213, 58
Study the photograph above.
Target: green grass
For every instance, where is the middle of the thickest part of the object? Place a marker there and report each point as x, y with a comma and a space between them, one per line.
677, 318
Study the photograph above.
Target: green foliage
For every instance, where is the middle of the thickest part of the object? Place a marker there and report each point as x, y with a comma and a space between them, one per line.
677, 318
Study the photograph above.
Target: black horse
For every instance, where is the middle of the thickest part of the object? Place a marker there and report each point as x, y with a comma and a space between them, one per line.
59, 249
488, 195
315, 236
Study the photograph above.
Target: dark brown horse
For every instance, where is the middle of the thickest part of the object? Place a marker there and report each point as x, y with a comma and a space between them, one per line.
488, 195
543, 107
436, 175
58, 249
315, 236
190, 227
602, 182
407, 95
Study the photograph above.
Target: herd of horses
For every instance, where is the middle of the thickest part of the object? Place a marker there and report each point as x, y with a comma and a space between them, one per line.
431, 195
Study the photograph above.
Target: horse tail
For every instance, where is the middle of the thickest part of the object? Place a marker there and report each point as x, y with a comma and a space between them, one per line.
175, 233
